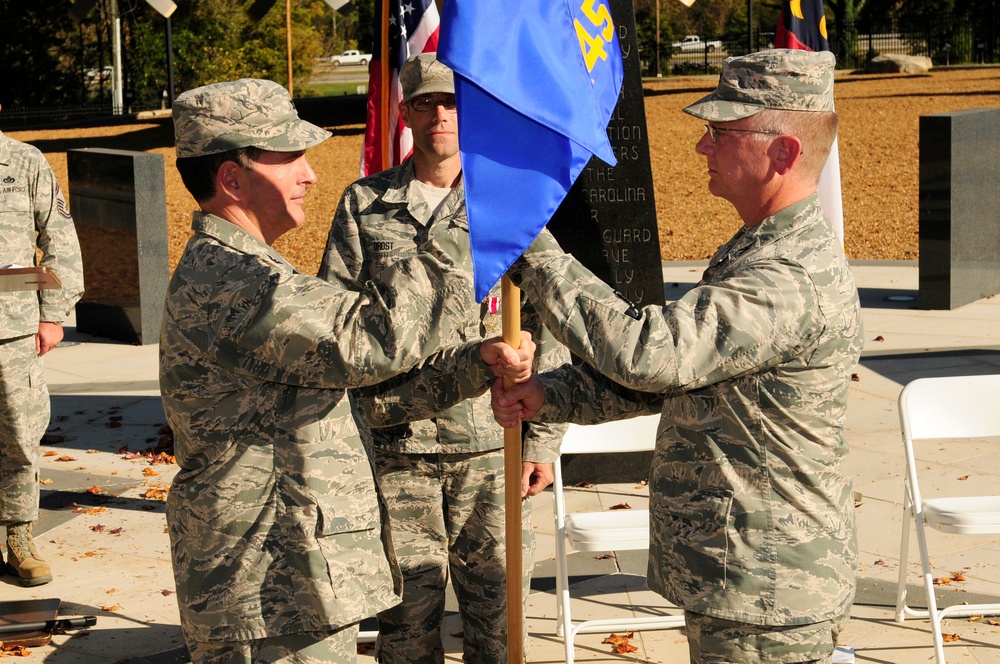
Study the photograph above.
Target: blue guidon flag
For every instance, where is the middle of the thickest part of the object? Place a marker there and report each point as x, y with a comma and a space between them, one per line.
536, 83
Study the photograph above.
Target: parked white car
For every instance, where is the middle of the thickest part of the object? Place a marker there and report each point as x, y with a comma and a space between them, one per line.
351, 58
94, 74
694, 43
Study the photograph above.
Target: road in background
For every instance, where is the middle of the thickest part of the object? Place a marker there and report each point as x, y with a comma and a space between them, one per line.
325, 72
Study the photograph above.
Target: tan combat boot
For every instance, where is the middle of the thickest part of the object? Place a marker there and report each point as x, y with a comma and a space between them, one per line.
23, 560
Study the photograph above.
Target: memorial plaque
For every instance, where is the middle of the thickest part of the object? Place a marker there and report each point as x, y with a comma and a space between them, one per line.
959, 216
608, 219
118, 200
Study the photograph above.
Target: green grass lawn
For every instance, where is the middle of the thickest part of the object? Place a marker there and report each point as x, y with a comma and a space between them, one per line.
337, 89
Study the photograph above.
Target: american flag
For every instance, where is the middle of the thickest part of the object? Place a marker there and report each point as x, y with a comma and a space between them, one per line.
408, 27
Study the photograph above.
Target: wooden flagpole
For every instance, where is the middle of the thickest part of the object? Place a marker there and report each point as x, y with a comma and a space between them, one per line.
383, 127
510, 316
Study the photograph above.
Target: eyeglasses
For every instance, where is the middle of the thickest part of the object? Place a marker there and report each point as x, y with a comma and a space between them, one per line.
427, 104
713, 131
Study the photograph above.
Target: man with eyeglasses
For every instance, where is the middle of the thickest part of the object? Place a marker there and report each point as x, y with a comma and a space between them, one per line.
442, 478
751, 513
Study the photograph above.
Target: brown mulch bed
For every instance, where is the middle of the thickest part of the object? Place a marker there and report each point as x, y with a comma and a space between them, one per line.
879, 136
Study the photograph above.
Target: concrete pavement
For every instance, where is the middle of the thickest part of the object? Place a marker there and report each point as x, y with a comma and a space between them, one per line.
103, 529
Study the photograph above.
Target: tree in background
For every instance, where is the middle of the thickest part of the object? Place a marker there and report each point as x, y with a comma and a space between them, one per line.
645, 32
37, 67
50, 59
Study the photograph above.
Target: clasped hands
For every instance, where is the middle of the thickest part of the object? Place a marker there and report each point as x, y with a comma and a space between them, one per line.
515, 366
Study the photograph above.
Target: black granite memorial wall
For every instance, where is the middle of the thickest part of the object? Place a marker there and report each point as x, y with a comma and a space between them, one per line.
959, 217
118, 200
608, 219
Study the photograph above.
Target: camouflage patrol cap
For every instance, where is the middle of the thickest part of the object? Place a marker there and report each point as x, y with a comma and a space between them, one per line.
783, 79
240, 114
423, 74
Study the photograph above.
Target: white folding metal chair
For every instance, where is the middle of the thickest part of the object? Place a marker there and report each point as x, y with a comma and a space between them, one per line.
617, 530
950, 408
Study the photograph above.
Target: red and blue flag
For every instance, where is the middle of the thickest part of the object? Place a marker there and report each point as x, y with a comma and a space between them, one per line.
802, 26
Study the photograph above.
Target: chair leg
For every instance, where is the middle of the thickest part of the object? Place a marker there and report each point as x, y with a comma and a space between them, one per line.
904, 559
564, 614
932, 610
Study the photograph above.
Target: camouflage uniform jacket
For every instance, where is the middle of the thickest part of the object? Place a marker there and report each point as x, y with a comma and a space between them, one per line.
383, 219
752, 516
31, 202
275, 523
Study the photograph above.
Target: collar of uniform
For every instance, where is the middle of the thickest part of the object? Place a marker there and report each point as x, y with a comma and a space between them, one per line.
769, 230
395, 193
235, 237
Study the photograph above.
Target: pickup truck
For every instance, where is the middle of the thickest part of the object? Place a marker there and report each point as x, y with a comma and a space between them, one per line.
351, 58
694, 43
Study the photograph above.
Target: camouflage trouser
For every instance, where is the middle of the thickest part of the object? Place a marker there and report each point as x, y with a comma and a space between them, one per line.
447, 515
337, 647
712, 640
24, 415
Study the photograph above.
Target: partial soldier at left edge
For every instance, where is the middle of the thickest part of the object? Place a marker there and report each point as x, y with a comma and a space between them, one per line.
35, 229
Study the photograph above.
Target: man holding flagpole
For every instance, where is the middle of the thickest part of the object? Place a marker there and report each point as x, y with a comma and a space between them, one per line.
443, 478
751, 513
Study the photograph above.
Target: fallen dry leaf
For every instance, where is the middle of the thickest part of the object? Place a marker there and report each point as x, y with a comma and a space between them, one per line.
166, 592
604, 556
621, 644
94, 490
958, 576
50, 453
65, 458
113, 607
992, 621
111, 591
157, 492
855, 377
975, 618
13, 651
95, 510
950, 638
963, 478
584, 485
880, 338
98, 528
45, 481
942, 581
149, 472
620, 506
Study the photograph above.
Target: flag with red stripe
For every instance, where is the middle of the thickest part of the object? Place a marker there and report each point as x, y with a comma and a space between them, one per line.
407, 27
802, 26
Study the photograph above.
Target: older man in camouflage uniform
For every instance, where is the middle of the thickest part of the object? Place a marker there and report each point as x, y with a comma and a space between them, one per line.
751, 516
443, 478
277, 531
33, 217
